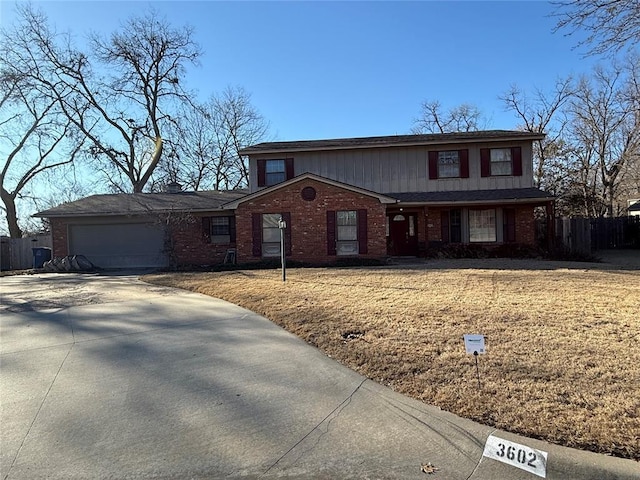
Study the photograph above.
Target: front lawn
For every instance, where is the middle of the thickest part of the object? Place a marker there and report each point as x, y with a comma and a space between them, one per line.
563, 339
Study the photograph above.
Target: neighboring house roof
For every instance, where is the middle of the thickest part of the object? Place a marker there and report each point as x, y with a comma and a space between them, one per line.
143, 203
391, 141
306, 176
634, 207
474, 196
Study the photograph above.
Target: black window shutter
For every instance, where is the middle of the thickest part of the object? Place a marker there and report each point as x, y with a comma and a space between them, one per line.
286, 216
516, 161
464, 163
232, 229
444, 226
288, 164
331, 232
509, 225
433, 165
485, 162
206, 229
262, 172
256, 234
362, 232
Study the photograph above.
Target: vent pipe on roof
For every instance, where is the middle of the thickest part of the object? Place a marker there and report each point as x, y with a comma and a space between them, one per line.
173, 187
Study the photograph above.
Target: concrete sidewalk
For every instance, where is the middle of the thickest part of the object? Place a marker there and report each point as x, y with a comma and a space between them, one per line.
108, 377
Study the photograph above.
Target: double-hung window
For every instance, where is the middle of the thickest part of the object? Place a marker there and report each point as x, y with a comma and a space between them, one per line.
482, 225
270, 235
347, 232
275, 172
500, 162
220, 230
449, 164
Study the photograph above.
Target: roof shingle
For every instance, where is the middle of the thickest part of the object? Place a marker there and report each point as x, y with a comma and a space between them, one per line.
143, 203
391, 141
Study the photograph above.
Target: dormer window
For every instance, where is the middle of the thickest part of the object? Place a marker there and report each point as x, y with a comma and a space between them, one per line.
274, 171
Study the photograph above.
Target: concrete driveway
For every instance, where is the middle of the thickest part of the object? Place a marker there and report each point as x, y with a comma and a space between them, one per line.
108, 377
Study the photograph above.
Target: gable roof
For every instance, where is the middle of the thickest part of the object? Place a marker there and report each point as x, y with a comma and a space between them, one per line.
143, 203
634, 207
391, 141
515, 195
308, 176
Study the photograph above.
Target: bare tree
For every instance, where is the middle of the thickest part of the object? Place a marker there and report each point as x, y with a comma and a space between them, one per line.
122, 92
606, 131
610, 25
212, 135
463, 118
543, 114
35, 137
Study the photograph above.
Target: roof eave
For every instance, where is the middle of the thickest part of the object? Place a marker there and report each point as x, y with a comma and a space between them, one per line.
126, 214
384, 199
256, 151
474, 202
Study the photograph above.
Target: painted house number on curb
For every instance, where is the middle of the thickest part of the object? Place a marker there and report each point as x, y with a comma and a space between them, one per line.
520, 456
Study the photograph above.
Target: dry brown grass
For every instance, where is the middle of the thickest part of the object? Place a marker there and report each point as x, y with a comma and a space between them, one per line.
563, 361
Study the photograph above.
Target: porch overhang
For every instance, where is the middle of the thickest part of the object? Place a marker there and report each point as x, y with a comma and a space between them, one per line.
529, 196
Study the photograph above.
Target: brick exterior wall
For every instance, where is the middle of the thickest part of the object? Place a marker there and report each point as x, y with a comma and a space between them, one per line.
191, 247
59, 240
434, 225
525, 225
309, 221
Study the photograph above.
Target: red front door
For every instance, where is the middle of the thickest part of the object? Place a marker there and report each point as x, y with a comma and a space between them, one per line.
403, 240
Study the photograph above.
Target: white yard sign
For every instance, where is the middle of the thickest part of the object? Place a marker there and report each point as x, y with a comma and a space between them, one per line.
520, 456
474, 344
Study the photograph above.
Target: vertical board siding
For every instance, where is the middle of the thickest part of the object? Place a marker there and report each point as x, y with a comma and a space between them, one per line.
410, 169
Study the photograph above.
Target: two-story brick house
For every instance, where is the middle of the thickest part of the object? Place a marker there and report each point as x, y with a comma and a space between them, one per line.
366, 197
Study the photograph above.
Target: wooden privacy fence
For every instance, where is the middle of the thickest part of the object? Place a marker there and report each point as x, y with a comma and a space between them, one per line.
17, 253
585, 235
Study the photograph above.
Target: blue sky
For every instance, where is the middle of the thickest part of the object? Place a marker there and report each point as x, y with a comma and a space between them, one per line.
347, 69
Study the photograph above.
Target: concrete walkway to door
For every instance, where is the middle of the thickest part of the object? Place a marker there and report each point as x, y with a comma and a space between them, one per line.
108, 377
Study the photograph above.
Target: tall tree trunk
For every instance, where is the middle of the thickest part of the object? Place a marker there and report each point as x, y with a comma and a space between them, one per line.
12, 217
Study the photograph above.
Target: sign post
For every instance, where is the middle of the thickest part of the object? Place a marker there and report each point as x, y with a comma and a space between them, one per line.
474, 345
282, 225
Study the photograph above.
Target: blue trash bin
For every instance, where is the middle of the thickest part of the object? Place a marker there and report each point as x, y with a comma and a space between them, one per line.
41, 255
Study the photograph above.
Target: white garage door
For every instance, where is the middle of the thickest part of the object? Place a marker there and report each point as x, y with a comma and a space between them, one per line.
122, 245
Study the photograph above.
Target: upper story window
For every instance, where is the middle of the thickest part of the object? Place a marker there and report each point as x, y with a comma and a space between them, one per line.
496, 162
449, 164
274, 171
500, 159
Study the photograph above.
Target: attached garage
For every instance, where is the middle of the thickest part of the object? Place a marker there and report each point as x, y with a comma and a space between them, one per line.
141, 230
119, 245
